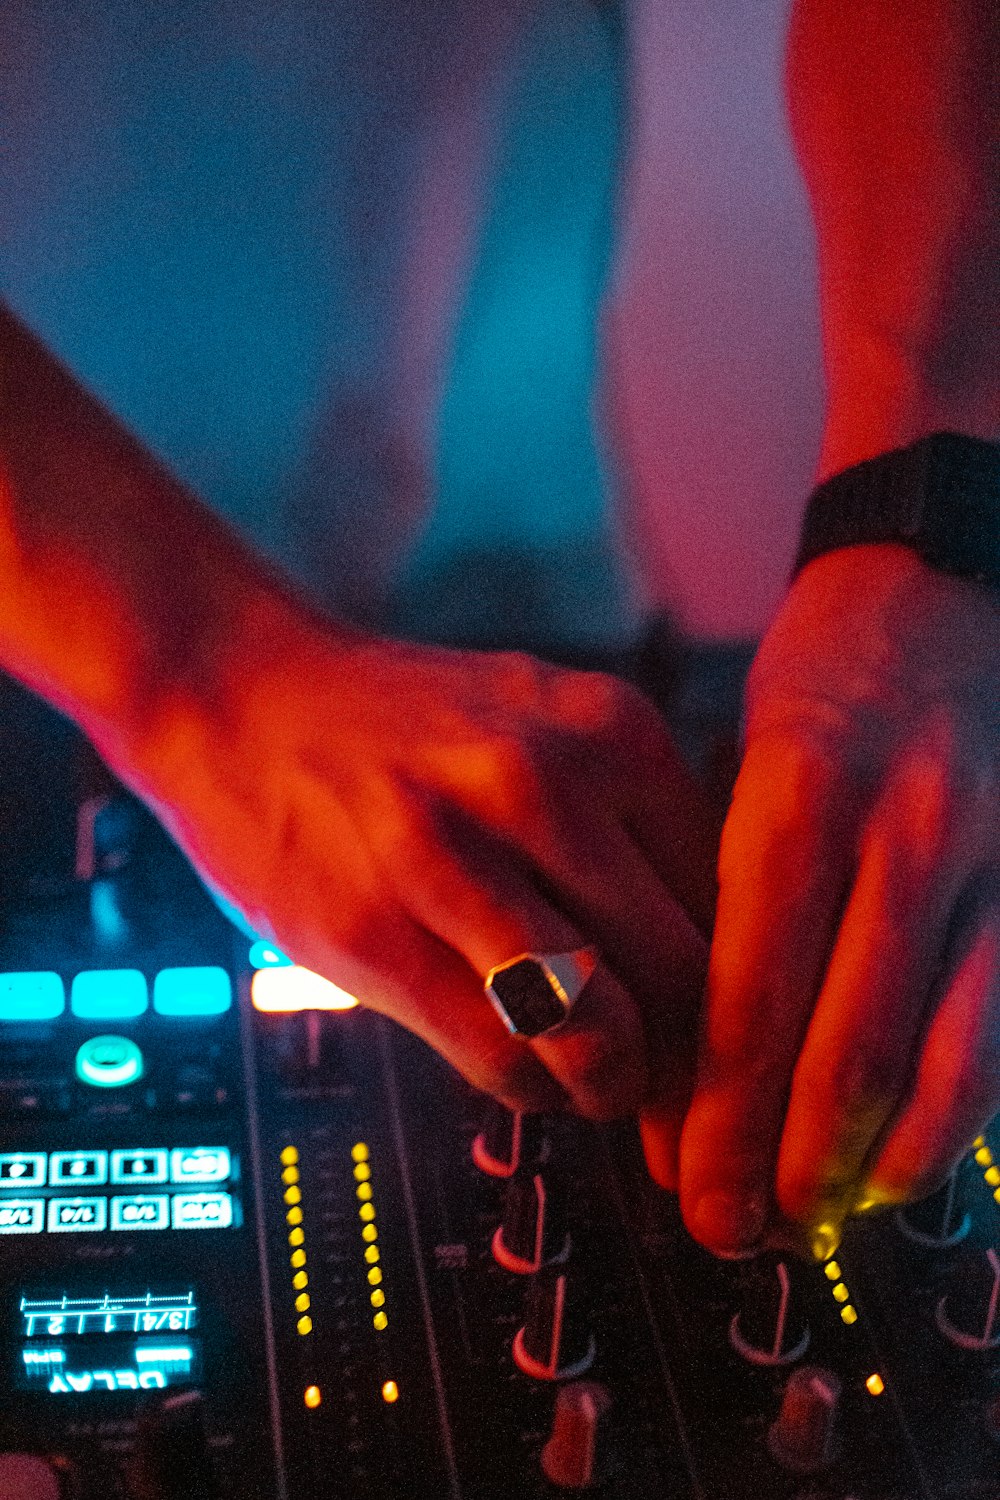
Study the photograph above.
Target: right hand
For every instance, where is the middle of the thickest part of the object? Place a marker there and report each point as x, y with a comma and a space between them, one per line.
401, 818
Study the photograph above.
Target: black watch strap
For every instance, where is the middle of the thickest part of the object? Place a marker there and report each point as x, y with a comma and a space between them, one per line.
940, 496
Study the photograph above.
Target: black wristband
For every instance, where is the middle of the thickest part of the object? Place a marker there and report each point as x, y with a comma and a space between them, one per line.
940, 497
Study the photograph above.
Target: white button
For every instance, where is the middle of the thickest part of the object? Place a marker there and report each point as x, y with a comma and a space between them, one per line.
138, 1166
22, 1169
69, 1168
145, 1211
200, 1164
22, 1215
77, 1215
202, 1210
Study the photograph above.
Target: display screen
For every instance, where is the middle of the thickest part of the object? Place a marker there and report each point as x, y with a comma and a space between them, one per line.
79, 1345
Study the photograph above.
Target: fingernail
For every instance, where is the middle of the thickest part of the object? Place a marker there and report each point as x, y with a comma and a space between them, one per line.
729, 1223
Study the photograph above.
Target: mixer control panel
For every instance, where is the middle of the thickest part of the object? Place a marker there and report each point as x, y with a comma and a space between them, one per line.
257, 1243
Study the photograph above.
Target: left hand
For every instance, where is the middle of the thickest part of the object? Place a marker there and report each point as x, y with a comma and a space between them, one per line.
851, 1042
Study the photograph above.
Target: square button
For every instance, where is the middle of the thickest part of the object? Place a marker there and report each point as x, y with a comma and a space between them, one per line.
206, 991
77, 1215
202, 1210
144, 1211
139, 1166
31, 997
78, 1168
109, 995
22, 1169
22, 1215
200, 1164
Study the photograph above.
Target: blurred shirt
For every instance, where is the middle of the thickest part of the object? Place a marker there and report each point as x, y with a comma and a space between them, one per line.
490, 322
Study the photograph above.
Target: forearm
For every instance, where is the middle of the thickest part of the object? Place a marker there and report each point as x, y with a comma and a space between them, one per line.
118, 590
895, 107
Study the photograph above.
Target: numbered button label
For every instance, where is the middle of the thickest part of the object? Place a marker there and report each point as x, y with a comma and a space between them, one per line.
149, 1211
200, 1164
22, 1215
202, 1210
77, 1215
22, 1169
138, 1166
76, 1168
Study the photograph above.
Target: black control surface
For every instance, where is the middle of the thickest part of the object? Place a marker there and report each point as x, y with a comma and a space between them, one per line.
278, 1257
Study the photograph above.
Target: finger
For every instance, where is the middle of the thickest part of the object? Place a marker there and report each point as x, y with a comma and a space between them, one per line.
470, 891
783, 870
956, 1091
607, 885
627, 752
856, 1061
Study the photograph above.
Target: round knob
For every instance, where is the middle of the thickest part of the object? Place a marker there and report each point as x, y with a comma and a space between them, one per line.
577, 1456
937, 1222
28, 1478
803, 1438
533, 1231
772, 1332
969, 1316
509, 1142
555, 1342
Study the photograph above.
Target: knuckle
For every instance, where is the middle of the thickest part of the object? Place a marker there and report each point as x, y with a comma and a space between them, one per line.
786, 784
859, 1078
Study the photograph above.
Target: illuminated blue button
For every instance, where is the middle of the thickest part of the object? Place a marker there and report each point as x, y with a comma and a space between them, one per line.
22, 1215
31, 997
109, 1062
202, 1210
22, 1169
264, 955
145, 1211
109, 995
204, 991
138, 1166
77, 1215
78, 1168
200, 1164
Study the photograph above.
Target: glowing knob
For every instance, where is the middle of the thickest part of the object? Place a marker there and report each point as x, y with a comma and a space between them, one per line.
510, 1142
804, 1438
533, 1231
577, 1455
969, 1316
28, 1478
555, 1342
109, 1062
772, 1333
937, 1222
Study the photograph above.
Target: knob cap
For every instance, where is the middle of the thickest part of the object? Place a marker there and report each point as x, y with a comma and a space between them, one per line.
28, 1478
937, 1222
555, 1342
803, 1439
577, 1454
533, 1231
969, 1316
510, 1142
772, 1332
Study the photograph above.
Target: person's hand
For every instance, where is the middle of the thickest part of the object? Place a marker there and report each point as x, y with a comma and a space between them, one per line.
400, 819
851, 1043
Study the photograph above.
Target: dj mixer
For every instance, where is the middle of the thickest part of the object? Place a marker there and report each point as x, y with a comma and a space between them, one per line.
258, 1243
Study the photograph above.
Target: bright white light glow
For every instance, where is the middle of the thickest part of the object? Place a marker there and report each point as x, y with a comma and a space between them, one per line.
292, 989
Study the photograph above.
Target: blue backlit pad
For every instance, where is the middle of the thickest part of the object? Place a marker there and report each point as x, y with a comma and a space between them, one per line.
109, 994
205, 991
31, 997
